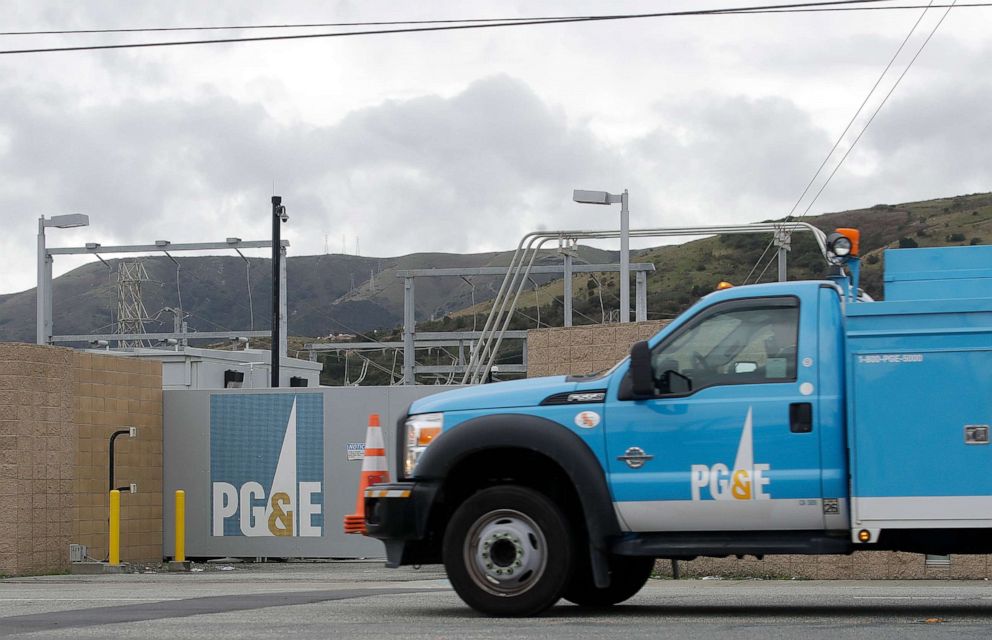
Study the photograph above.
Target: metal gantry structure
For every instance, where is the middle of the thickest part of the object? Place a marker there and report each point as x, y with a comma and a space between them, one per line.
460, 341
522, 265
464, 341
409, 303
483, 345
46, 257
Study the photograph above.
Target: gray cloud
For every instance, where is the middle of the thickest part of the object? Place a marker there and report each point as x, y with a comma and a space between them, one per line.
152, 146
717, 159
923, 144
428, 173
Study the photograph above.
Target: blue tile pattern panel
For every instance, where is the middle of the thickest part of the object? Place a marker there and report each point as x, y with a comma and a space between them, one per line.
267, 464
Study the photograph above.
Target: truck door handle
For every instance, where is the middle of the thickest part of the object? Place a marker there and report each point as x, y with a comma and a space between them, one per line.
801, 417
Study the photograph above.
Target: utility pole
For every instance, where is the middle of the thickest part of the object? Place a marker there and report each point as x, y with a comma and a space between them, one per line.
278, 217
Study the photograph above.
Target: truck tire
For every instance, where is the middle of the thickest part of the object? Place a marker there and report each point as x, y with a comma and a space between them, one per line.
507, 551
627, 577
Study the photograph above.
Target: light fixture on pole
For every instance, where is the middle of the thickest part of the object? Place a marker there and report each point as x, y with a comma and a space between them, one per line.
604, 197
44, 290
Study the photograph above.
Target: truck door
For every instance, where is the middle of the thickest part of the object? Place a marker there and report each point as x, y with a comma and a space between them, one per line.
729, 442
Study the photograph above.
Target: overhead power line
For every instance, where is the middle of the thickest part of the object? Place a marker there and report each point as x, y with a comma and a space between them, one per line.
877, 109
860, 108
850, 123
447, 27
894, 7
293, 25
377, 23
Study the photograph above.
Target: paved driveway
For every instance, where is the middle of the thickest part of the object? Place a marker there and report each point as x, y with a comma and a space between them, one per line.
363, 600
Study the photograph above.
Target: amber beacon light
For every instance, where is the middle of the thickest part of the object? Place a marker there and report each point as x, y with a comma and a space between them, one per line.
843, 244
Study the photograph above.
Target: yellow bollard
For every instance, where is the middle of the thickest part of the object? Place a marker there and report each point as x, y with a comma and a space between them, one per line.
180, 555
115, 528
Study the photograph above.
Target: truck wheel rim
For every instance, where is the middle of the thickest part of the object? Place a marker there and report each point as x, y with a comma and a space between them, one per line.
505, 552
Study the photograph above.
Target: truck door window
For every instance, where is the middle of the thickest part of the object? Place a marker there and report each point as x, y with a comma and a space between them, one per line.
739, 342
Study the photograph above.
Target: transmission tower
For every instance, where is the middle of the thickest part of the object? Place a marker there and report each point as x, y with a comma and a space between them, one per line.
131, 314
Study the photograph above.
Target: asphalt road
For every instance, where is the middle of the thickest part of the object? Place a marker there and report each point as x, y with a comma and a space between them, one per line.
363, 600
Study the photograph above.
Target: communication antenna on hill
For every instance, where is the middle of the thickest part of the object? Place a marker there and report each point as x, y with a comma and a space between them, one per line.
131, 314
326, 249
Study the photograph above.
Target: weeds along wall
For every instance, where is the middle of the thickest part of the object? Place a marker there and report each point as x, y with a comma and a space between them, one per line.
58, 408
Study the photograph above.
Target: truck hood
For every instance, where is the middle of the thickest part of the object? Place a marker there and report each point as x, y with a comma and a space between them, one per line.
499, 395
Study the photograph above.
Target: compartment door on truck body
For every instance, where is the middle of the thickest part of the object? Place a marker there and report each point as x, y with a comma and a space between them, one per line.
731, 442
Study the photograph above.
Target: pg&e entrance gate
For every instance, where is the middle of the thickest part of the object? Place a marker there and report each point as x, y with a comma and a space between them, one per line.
272, 473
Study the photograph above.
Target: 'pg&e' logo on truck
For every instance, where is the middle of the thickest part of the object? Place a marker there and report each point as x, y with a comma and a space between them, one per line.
745, 481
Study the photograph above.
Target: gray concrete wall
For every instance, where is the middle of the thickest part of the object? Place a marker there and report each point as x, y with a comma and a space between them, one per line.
345, 416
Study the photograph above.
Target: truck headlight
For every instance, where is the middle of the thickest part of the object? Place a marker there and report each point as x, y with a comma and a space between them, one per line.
420, 432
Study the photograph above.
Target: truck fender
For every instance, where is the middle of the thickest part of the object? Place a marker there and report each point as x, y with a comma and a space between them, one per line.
549, 438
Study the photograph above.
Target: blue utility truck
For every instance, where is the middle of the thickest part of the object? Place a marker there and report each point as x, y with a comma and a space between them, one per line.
786, 418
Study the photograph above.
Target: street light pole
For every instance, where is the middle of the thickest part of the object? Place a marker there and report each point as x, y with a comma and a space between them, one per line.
604, 197
44, 287
624, 258
42, 290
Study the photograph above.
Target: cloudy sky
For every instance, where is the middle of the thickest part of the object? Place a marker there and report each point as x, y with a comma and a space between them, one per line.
464, 141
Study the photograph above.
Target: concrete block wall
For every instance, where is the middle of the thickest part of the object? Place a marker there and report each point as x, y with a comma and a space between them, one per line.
861, 565
57, 410
572, 350
37, 474
111, 393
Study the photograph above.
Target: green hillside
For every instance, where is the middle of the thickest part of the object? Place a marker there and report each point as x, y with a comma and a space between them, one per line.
686, 272
356, 294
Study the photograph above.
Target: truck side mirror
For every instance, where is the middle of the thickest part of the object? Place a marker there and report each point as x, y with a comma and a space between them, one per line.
641, 376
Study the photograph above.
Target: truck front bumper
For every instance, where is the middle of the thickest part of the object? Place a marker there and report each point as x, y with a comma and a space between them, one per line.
398, 513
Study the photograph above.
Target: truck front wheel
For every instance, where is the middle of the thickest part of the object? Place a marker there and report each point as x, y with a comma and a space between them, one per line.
627, 576
508, 552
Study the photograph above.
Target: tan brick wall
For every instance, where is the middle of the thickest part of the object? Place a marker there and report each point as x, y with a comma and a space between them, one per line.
57, 410
37, 441
573, 350
861, 565
111, 393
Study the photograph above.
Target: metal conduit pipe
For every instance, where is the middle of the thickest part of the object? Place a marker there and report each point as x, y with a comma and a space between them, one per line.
483, 337
513, 276
474, 371
509, 315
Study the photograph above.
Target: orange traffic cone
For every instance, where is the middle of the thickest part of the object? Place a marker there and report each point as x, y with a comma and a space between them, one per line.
374, 471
